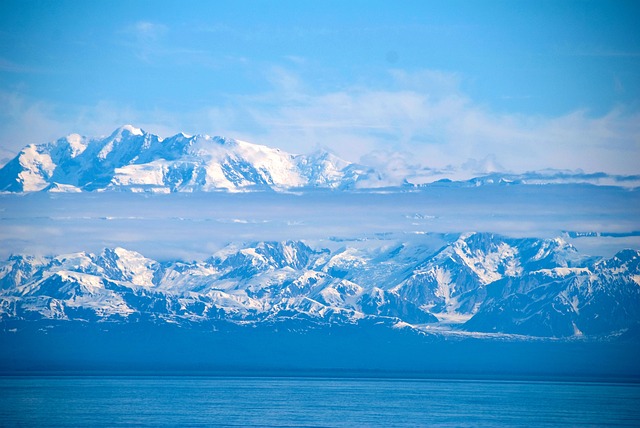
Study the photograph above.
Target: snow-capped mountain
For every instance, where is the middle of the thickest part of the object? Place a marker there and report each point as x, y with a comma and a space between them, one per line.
131, 159
476, 283
565, 301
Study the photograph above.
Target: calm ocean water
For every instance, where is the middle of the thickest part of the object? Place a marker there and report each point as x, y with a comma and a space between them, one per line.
284, 402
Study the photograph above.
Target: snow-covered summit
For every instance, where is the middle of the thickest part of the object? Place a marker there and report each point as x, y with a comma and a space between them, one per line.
475, 283
131, 159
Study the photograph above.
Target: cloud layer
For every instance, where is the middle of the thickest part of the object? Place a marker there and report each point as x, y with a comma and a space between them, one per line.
421, 118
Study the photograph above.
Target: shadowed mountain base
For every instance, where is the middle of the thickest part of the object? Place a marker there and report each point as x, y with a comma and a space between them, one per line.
362, 350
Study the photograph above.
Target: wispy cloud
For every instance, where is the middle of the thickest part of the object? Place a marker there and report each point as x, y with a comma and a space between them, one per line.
26, 121
424, 123
14, 67
159, 44
146, 32
607, 53
144, 38
435, 128
431, 118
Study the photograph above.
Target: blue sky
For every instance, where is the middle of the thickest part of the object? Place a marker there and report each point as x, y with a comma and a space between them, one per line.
472, 85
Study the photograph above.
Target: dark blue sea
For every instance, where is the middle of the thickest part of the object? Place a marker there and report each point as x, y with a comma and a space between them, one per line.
311, 402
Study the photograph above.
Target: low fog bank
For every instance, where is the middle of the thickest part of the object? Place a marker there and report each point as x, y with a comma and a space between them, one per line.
193, 226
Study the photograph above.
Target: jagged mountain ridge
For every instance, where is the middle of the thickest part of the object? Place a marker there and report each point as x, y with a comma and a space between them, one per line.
476, 283
133, 160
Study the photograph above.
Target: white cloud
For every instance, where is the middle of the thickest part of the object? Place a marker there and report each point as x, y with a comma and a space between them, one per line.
156, 43
7, 65
25, 122
428, 116
483, 166
424, 119
144, 38
149, 30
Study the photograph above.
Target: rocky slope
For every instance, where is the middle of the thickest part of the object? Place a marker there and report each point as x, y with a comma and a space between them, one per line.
477, 283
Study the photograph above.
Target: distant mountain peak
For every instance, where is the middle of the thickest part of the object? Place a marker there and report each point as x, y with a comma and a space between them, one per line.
132, 160
126, 130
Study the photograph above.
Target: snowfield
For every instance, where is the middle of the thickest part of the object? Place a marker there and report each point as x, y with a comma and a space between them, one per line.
476, 283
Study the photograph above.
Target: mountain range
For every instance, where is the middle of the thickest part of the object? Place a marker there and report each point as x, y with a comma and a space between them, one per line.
477, 284
133, 160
